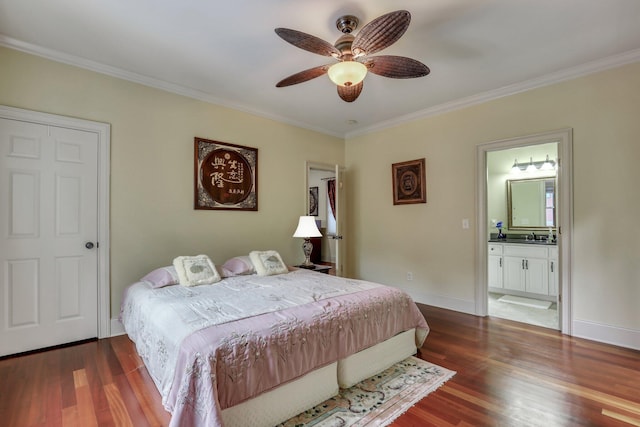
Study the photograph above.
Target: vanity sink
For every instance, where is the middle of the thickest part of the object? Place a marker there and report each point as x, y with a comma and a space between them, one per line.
522, 241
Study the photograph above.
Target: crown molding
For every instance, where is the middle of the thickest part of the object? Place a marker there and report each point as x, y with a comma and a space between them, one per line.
603, 64
98, 67
546, 80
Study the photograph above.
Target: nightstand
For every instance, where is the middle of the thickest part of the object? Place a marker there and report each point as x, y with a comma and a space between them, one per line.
319, 268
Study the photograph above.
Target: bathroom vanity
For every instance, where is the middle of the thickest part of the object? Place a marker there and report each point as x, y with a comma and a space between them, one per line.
523, 268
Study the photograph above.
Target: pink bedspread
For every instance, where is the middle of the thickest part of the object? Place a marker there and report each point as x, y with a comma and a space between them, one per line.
221, 366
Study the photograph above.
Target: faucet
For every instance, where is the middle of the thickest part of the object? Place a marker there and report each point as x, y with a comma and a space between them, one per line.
531, 236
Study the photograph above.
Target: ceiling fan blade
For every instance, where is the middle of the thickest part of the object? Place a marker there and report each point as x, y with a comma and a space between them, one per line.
350, 93
308, 42
396, 67
380, 33
303, 76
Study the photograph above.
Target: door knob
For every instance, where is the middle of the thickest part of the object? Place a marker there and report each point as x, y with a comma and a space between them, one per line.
89, 245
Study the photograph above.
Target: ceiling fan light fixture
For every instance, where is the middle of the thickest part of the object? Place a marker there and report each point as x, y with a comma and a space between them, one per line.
347, 73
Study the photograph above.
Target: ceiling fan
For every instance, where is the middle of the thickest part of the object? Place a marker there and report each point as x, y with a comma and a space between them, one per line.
353, 52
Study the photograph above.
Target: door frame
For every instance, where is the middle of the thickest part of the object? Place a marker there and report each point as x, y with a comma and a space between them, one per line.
103, 131
564, 138
340, 207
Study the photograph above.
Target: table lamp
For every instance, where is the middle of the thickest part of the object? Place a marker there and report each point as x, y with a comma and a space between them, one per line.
307, 229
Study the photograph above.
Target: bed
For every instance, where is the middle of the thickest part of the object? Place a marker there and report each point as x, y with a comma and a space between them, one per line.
257, 349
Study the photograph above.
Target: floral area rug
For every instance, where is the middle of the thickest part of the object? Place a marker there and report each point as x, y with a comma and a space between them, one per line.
376, 401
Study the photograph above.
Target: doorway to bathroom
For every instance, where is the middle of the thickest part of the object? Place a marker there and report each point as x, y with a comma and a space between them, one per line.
522, 260
524, 229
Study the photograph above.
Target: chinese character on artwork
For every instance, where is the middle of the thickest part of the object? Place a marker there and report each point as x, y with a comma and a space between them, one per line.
225, 176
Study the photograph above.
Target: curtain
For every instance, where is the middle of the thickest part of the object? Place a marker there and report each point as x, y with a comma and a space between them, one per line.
331, 194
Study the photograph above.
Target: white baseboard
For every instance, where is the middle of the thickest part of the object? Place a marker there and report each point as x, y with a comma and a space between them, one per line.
608, 334
593, 331
116, 327
455, 304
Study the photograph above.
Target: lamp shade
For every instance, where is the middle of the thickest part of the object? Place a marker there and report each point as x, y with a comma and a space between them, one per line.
546, 166
515, 168
531, 167
347, 73
307, 228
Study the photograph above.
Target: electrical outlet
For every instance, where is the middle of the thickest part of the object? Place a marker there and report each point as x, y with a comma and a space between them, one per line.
465, 223
409, 275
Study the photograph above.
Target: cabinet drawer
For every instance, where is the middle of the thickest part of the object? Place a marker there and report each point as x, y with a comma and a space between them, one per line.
526, 251
553, 252
495, 249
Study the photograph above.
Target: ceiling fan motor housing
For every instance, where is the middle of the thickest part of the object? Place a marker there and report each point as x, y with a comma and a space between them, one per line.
347, 23
343, 44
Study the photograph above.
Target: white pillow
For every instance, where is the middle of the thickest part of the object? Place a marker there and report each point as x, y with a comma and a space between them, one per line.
268, 263
196, 270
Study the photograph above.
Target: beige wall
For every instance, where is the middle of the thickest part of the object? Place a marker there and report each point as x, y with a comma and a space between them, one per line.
152, 219
428, 239
152, 215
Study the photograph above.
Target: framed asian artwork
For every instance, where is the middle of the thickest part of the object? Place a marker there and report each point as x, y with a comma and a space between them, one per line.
313, 201
225, 176
409, 182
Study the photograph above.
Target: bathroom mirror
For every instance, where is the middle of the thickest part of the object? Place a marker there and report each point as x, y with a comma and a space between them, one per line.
531, 203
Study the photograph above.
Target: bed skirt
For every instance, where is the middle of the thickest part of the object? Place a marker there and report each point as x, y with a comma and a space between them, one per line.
292, 398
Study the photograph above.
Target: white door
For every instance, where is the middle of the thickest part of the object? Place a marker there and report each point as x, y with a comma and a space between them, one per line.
341, 245
48, 220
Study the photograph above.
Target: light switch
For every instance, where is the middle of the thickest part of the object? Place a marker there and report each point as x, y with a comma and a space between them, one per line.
465, 223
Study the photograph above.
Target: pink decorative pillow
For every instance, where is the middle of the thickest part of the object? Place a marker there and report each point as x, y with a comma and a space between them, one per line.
238, 266
163, 276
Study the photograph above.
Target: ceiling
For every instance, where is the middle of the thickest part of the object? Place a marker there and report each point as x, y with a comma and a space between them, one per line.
227, 53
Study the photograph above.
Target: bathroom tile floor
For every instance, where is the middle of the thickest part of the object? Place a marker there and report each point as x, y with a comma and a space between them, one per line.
547, 318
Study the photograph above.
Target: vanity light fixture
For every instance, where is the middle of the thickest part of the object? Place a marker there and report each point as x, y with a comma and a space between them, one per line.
532, 166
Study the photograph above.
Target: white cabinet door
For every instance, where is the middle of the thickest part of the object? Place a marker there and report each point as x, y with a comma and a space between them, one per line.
514, 273
495, 271
537, 276
523, 268
553, 277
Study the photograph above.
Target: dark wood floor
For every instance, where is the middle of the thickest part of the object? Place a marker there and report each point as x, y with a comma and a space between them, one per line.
508, 374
